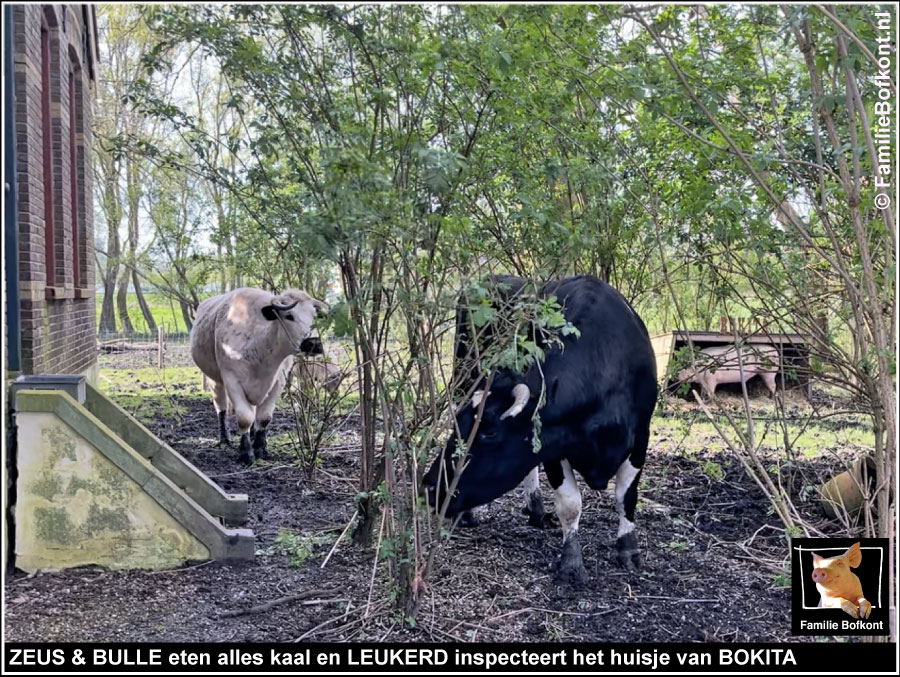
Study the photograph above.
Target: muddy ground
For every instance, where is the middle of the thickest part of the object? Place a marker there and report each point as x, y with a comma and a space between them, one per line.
713, 565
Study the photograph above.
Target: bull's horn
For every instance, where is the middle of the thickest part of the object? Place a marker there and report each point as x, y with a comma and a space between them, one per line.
278, 306
321, 305
521, 393
477, 396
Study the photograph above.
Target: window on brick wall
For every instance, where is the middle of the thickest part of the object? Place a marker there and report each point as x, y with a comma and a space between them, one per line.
79, 168
73, 183
46, 136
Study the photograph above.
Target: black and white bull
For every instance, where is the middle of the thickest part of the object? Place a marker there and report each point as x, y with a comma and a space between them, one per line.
600, 390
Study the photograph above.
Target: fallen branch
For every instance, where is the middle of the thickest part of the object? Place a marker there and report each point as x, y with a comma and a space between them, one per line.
259, 608
550, 611
375, 563
339, 539
683, 600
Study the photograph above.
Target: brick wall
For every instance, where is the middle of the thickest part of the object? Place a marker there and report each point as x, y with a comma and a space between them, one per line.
58, 318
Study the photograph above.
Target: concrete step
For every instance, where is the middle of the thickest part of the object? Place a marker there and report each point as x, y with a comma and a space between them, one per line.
85, 495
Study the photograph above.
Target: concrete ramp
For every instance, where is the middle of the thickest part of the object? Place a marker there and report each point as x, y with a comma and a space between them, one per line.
96, 487
232, 508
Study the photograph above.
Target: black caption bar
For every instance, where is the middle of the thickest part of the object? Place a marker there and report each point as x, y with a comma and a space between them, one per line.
474, 658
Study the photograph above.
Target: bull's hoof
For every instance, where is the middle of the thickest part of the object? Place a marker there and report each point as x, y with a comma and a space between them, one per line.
571, 564
627, 553
467, 520
542, 520
259, 442
534, 508
245, 452
224, 437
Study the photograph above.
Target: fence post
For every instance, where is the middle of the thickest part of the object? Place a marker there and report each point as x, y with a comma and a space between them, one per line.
160, 338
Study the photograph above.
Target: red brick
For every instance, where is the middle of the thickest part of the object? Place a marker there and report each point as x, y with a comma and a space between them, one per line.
59, 335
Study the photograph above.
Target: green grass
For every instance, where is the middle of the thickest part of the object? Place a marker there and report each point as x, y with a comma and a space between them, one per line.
689, 431
148, 393
299, 547
166, 313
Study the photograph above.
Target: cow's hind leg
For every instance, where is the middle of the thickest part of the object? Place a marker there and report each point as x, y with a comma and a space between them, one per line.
245, 413
534, 502
568, 510
220, 400
628, 477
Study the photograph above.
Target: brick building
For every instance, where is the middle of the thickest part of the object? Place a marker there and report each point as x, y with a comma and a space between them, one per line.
50, 53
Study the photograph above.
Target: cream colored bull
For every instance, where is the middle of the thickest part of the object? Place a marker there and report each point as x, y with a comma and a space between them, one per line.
244, 342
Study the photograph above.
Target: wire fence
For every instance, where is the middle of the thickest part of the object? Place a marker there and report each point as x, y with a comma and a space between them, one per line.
135, 350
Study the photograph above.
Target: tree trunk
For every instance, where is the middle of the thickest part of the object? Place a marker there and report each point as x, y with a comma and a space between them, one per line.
142, 302
112, 211
186, 314
133, 193
122, 302
107, 309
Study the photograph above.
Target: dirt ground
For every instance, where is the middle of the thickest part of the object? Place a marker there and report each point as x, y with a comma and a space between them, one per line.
712, 565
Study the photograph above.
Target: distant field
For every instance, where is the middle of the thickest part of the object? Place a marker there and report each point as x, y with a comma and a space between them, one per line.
166, 314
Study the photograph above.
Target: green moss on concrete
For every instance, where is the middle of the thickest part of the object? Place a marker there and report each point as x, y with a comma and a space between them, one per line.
116, 510
53, 525
231, 508
111, 482
47, 485
60, 444
77, 484
100, 519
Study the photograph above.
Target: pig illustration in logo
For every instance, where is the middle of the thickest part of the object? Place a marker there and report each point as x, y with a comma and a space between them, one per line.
839, 586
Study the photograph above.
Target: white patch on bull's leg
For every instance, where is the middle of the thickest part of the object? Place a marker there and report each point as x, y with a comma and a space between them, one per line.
624, 477
626, 526
568, 502
568, 509
533, 501
531, 483
220, 401
626, 498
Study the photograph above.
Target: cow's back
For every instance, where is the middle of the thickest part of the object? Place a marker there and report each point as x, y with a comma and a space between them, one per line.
611, 361
601, 385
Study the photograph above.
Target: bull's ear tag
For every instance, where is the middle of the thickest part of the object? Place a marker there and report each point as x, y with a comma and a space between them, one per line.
269, 313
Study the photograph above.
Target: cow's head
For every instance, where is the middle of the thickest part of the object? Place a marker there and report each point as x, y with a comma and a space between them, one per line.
297, 310
499, 454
